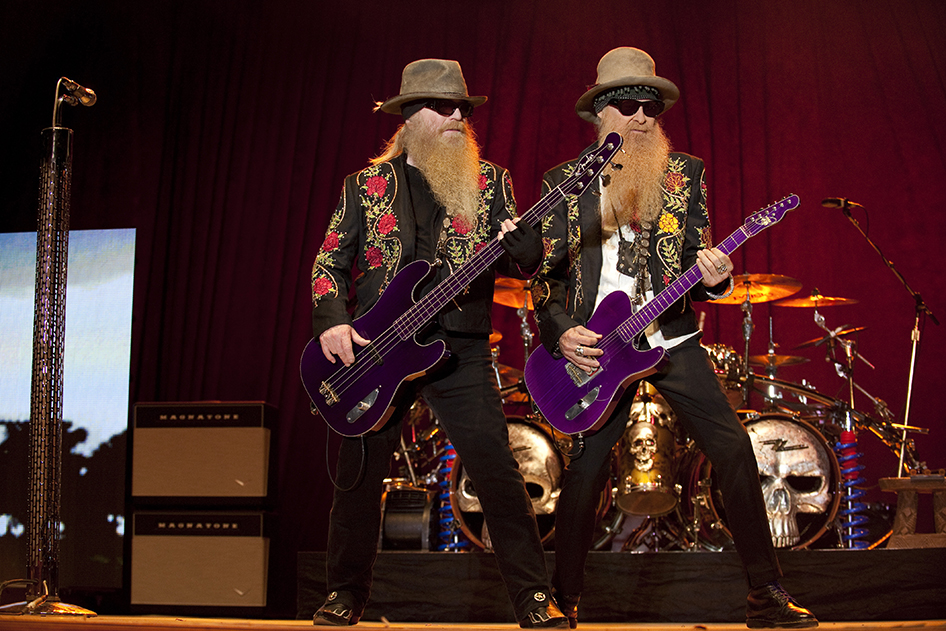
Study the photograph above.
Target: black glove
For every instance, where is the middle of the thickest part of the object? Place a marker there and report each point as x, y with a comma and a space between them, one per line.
524, 245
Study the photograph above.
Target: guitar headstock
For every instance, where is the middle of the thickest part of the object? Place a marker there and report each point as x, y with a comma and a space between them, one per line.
590, 166
762, 219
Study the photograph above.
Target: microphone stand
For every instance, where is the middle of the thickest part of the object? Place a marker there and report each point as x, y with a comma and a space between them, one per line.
920, 307
49, 332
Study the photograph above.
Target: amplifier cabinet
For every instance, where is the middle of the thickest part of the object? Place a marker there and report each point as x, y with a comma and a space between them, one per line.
200, 450
205, 559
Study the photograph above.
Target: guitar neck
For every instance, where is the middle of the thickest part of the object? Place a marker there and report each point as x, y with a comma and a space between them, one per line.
631, 327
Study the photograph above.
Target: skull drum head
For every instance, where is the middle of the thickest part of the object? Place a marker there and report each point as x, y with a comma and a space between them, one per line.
800, 481
541, 466
646, 457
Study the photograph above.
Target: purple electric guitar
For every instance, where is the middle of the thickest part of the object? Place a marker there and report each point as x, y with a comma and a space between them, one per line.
356, 399
572, 400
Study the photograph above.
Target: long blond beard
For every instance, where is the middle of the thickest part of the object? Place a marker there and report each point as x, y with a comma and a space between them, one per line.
450, 164
634, 194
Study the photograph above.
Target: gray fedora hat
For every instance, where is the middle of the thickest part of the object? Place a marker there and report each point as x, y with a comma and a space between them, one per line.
625, 66
431, 79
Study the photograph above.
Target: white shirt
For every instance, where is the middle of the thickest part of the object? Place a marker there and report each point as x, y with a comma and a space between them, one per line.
612, 280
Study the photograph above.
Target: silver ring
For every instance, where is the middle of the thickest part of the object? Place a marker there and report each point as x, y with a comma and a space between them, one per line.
580, 351
721, 268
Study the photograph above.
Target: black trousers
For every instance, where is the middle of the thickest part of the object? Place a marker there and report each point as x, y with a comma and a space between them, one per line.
464, 397
689, 385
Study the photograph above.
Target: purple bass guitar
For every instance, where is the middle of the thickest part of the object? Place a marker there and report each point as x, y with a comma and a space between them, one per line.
572, 400
356, 399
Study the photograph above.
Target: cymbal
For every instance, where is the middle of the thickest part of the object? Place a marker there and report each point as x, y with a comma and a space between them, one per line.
512, 292
771, 360
818, 340
816, 300
494, 337
760, 288
508, 375
513, 388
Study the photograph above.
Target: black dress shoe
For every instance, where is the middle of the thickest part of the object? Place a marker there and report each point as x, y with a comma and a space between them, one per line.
545, 616
336, 611
568, 605
770, 607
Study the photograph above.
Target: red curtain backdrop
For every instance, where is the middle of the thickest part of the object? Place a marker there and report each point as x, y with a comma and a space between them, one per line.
224, 129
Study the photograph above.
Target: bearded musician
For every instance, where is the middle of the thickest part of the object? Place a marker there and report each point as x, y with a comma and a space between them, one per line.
640, 230
429, 197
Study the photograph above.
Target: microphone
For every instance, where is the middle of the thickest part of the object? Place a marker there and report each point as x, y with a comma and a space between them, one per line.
85, 96
839, 202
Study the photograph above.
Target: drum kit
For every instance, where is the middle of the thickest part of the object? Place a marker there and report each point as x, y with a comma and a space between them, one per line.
662, 494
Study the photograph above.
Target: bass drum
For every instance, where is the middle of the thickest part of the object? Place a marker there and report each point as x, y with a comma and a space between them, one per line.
646, 455
409, 517
730, 370
800, 484
541, 465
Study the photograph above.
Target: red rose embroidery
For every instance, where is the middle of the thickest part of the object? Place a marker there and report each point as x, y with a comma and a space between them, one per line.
483, 182
387, 223
461, 225
331, 242
321, 286
478, 247
374, 256
674, 182
376, 185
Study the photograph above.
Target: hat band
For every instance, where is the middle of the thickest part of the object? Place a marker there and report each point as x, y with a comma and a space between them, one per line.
636, 92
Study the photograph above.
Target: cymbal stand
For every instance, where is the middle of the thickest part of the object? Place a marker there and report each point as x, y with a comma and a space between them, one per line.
494, 352
921, 309
747, 327
524, 329
850, 517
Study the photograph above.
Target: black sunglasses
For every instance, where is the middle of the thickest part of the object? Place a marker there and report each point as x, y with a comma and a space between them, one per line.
629, 107
445, 107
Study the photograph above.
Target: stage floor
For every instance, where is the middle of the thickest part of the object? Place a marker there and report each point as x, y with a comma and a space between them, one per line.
675, 588
170, 623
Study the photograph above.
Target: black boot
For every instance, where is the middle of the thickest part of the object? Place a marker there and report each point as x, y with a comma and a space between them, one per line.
769, 607
338, 610
545, 615
568, 605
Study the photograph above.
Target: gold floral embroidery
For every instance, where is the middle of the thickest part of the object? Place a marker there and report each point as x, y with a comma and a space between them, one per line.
462, 240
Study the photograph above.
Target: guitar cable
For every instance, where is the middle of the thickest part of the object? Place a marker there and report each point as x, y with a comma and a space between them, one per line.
361, 467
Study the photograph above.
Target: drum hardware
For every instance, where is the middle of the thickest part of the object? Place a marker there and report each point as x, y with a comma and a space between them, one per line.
771, 361
512, 292
756, 288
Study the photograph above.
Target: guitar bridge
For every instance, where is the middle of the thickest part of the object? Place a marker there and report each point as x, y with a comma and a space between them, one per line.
362, 406
580, 377
326, 391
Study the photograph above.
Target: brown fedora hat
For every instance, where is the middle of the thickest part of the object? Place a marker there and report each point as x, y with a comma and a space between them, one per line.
431, 79
623, 67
